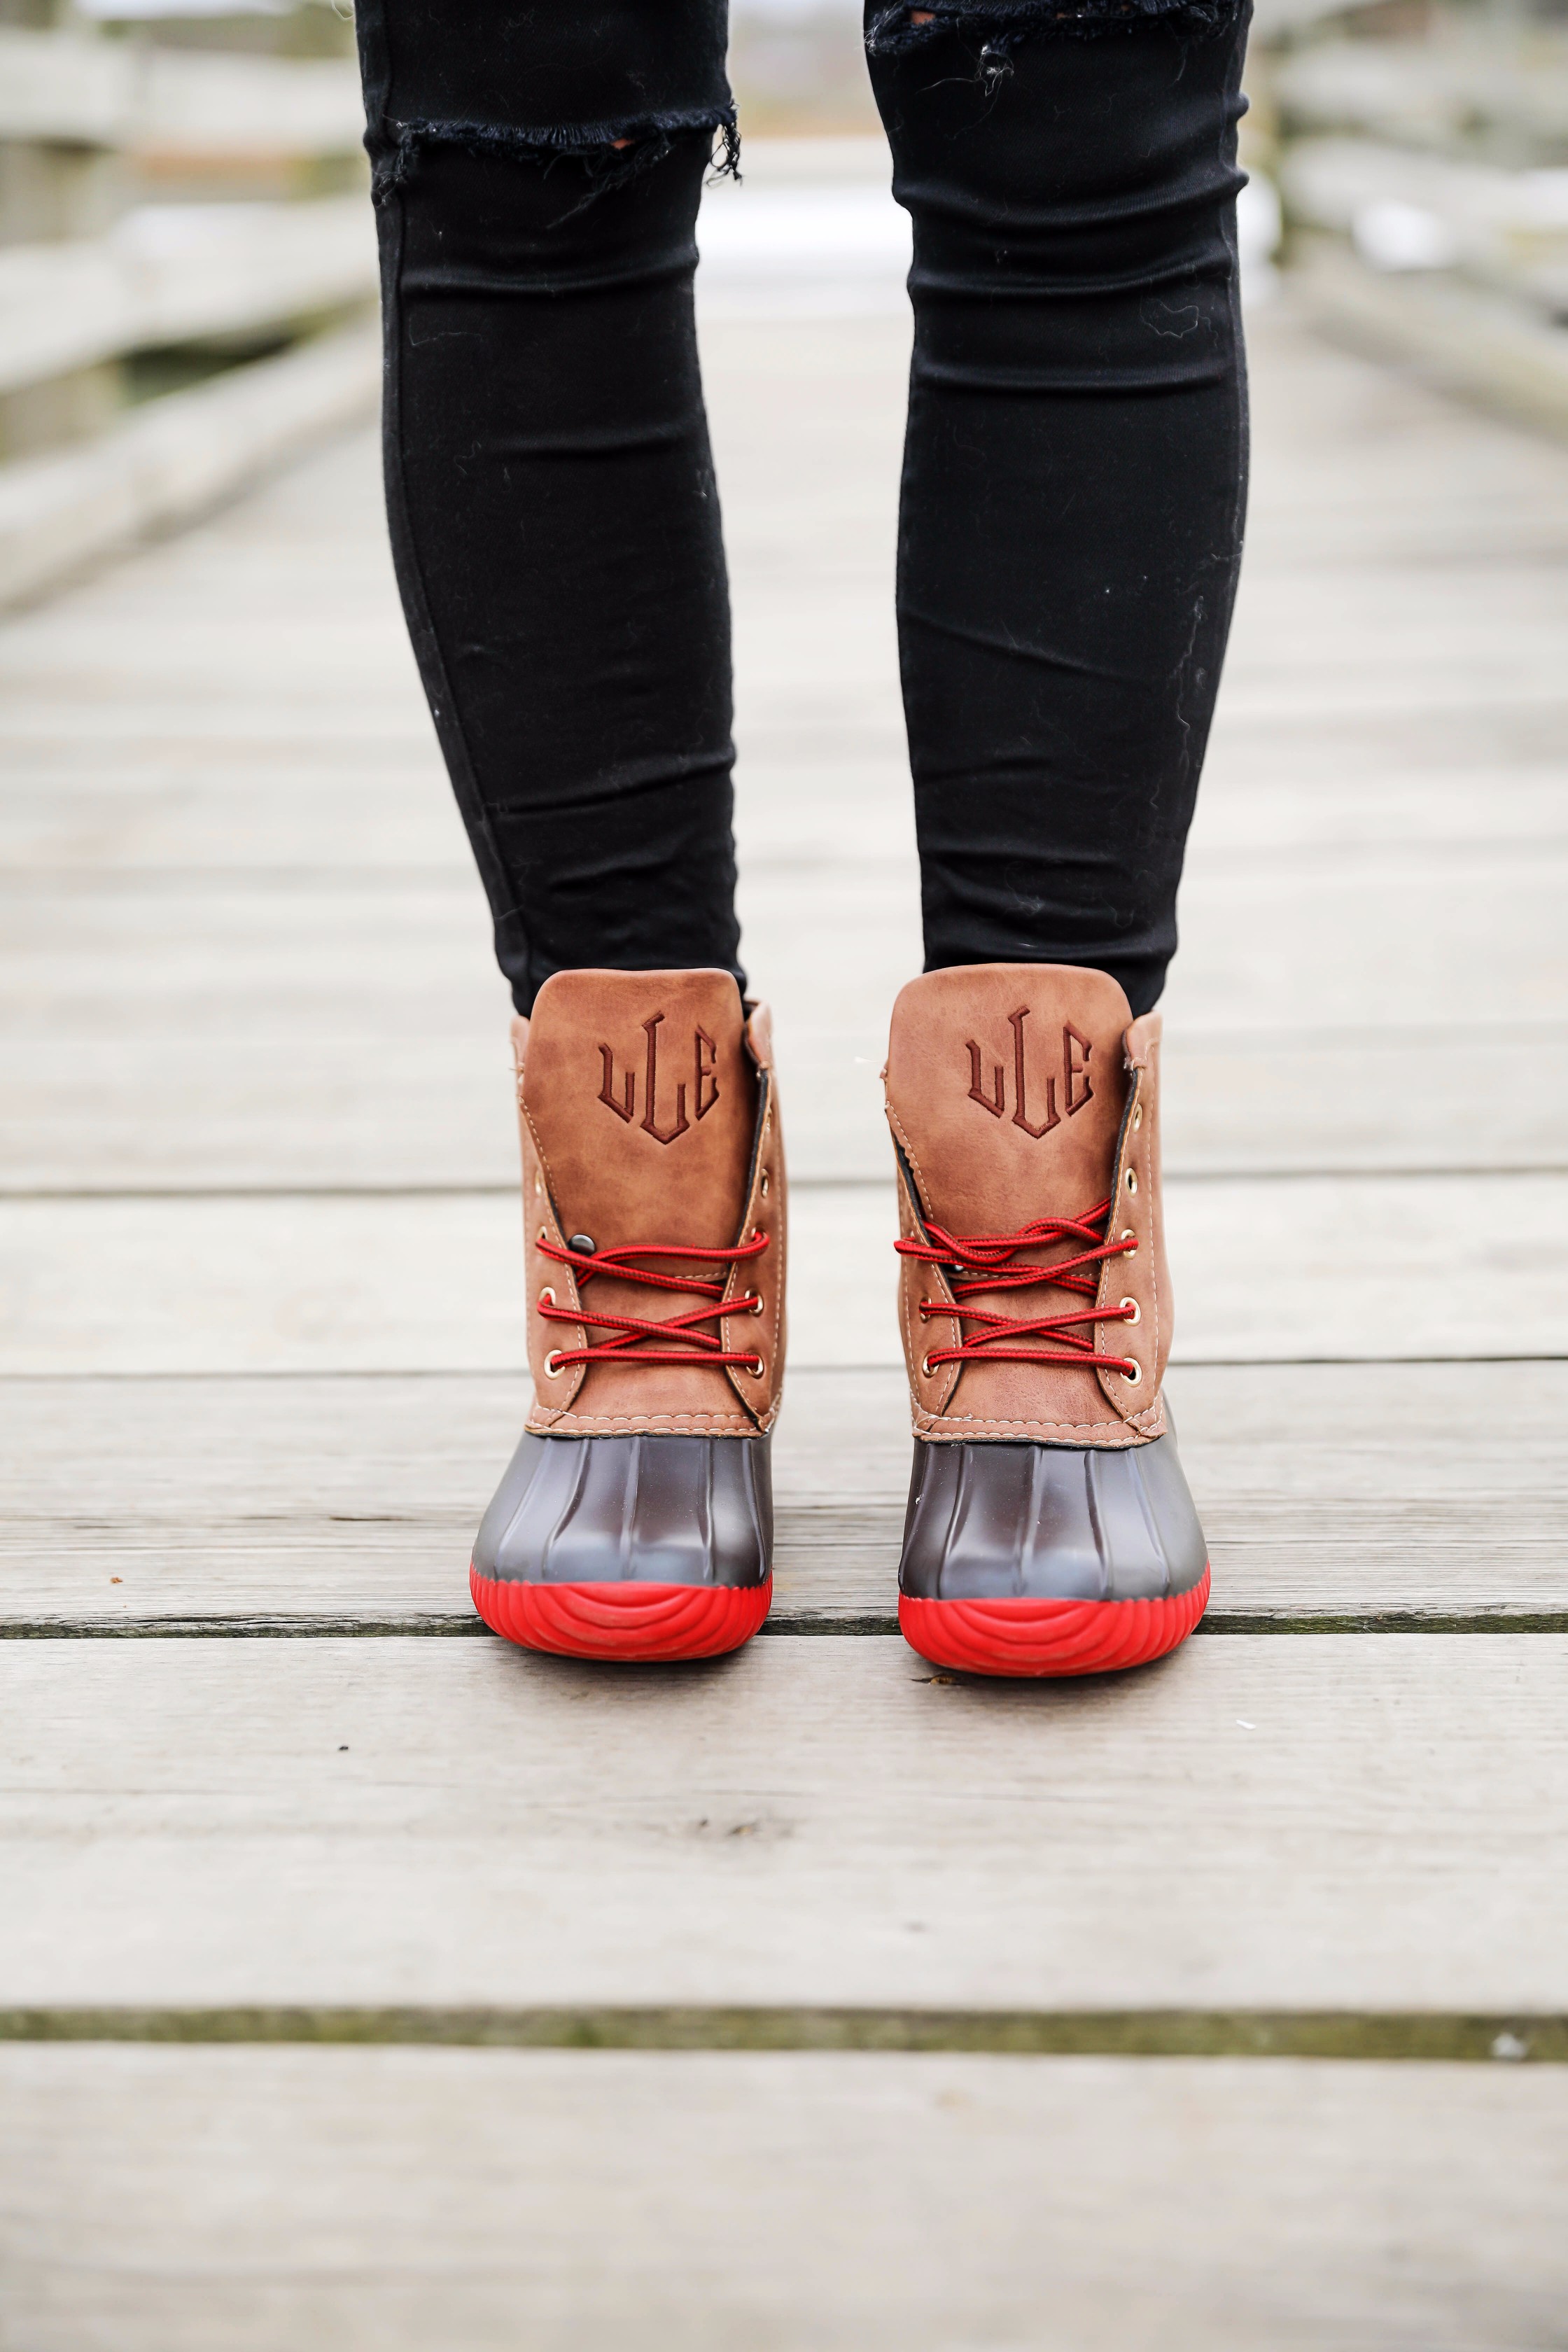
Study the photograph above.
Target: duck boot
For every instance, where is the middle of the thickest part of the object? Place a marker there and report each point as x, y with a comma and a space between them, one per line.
636, 1518
1049, 1527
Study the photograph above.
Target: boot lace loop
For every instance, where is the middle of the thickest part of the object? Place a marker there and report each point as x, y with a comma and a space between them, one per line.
637, 1340
991, 1261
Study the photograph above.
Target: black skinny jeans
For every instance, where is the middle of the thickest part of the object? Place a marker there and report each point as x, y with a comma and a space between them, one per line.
1074, 474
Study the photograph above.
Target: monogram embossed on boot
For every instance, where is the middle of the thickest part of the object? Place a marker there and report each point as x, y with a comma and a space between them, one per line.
636, 1518
1049, 1527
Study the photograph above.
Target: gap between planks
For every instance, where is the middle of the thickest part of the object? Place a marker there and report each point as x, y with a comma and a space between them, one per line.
1415, 2036
465, 1626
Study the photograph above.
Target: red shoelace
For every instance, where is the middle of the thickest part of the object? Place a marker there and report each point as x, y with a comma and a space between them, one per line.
632, 1332
990, 1258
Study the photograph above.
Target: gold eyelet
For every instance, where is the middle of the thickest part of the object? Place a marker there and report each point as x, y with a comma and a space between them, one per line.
1137, 1118
547, 1298
1134, 1376
1137, 1314
756, 1368
544, 1234
1132, 1179
763, 1187
928, 1368
1127, 1234
758, 1304
552, 1365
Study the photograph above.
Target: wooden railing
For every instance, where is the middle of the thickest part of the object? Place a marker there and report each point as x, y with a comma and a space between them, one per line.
171, 274
88, 279
72, 88
1424, 182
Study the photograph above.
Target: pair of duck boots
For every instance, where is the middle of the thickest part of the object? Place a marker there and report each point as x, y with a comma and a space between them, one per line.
1049, 1529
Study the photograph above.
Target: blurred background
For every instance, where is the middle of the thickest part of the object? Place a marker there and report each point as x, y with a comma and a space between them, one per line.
187, 265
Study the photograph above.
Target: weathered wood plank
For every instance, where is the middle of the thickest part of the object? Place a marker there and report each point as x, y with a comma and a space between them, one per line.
260, 813
205, 961
1358, 1267
402, 960
61, 86
170, 688
1361, 466
165, 464
229, 270
1278, 1102
1378, 946
128, 1502
1365, 1099
394, 1107
165, 2201
245, 802
1303, 1823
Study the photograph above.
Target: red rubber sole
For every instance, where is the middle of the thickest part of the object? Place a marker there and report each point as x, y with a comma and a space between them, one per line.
1050, 1637
629, 1622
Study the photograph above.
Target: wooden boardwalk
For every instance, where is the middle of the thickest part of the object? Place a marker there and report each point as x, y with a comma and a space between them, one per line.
260, 1350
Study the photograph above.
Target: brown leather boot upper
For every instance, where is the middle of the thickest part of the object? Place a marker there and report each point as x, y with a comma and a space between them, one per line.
1020, 1093
650, 1126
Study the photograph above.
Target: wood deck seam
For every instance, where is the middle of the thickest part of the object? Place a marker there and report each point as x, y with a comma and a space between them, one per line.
464, 1626
1409, 2036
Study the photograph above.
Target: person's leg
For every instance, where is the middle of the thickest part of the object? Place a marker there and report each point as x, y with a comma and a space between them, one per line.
1075, 471
550, 488
1070, 537
555, 527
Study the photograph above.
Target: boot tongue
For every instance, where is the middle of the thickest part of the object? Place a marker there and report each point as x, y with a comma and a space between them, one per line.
643, 1098
1008, 1082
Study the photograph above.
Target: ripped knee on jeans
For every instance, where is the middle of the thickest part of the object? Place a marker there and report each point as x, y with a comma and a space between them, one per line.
1000, 25
608, 153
